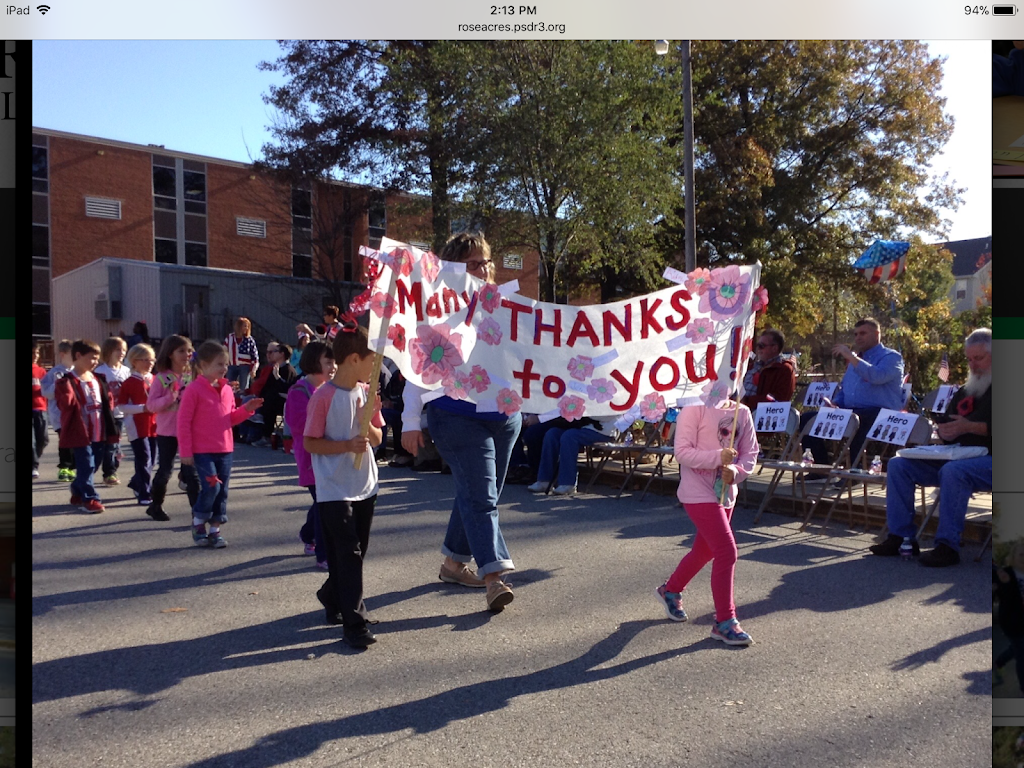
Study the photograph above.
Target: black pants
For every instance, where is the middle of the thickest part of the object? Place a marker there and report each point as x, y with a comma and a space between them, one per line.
167, 449
40, 438
65, 456
346, 527
270, 410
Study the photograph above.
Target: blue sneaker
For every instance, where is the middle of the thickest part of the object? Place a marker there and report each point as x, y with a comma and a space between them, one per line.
200, 537
217, 541
672, 602
731, 633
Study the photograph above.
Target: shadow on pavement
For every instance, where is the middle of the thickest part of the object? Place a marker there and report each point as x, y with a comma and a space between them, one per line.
436, 712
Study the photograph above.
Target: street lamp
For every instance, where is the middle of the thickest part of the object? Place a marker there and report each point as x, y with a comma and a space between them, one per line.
661, 48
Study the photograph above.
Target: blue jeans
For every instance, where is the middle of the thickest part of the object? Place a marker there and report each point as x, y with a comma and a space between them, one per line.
563, 446
87, 461
312, 531
533, 442
478, 453
241, 374
956, 480
214, 471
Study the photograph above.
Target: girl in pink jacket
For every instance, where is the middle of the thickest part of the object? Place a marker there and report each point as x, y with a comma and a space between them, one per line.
206, 415
706, 463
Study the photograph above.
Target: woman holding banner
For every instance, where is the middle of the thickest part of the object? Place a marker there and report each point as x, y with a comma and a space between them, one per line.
477, 447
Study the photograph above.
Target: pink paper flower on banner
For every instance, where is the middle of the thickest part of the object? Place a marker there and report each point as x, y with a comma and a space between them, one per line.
727, 294
401, 261
457, 386
571, 407
382, 304
360, 303
700, 330
581, 368
430, 265
652, 407
478, 379
508, 402
601, 390
396, 335
489, 297
435, 352
715, 392
760, 300
697, 281
489, 331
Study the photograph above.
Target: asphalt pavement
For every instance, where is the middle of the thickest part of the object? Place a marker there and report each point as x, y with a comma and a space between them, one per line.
148, 651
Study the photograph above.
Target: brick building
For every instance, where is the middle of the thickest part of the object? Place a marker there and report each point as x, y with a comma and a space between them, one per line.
96, 198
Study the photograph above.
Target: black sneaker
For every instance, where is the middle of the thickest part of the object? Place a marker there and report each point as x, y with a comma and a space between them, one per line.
157, 512
330, 611
940, 557
891, 546
358, 637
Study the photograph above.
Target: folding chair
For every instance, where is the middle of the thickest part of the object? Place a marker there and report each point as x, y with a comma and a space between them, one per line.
774, 447
791, 463
664, 451
629, 453
920, 434
841, 451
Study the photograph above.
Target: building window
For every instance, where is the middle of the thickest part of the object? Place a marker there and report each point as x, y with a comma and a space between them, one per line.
40, 246
179, 185
165, 251
195, 254
40, 170
302, 265
40, 319
302, 232
961, 295
250, 227
377, 220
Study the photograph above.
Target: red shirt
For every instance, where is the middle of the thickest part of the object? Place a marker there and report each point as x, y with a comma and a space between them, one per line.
38, 401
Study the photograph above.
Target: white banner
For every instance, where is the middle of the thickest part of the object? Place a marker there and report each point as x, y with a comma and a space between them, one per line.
485, 344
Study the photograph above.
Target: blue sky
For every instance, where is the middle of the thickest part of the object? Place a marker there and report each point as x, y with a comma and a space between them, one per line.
205, 97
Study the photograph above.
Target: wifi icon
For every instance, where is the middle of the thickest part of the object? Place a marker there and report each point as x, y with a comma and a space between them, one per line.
42, 9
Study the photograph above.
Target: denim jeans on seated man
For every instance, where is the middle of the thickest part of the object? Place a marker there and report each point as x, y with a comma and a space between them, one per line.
563, 446
956, 480
478, 453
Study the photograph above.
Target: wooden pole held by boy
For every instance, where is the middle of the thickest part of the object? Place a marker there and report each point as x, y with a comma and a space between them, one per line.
374, 382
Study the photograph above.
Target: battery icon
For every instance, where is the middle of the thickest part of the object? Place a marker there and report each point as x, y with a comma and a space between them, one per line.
1004, 10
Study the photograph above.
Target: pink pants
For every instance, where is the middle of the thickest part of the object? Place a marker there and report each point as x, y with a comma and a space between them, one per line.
714, 542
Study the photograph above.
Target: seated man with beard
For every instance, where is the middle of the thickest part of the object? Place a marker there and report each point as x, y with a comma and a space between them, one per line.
968, 421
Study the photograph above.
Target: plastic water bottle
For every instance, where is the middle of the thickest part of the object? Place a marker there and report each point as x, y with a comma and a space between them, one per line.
906, 549
876, 465
808, 458
628, 439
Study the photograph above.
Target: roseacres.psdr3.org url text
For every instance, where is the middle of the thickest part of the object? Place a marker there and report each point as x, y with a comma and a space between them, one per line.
532, 26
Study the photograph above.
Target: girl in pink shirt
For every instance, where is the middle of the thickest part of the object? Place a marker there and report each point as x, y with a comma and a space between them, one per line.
173, 374
706, 462
206, 415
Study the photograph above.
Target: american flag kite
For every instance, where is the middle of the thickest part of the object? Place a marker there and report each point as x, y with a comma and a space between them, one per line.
944, 368
883, 261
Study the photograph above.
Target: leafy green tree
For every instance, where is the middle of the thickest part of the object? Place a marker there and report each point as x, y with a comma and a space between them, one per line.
581, 139
807, 152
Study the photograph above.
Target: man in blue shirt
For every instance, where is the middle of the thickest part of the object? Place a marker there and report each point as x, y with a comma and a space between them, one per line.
873, 380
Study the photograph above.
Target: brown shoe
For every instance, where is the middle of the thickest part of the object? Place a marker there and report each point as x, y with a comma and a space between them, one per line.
498, 596
463, 576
